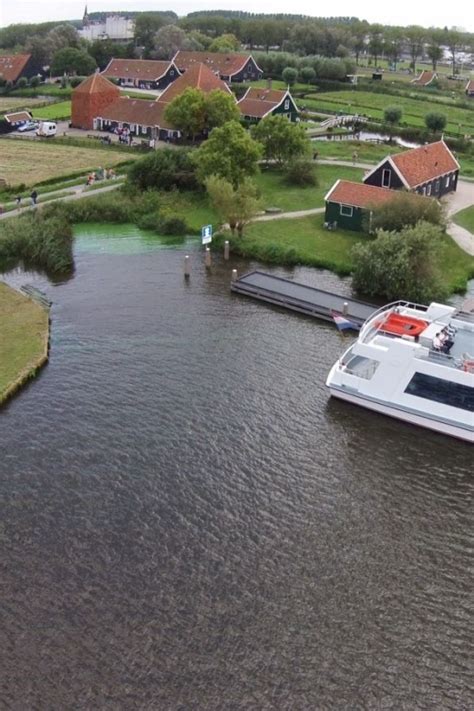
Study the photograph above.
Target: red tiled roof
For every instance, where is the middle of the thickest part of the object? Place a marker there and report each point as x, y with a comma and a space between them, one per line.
137, 69
18, 117
197, 77
259, 102
420, 165
425, 78
12, 65
220, 62
470, 86
95, 84
359, 195
136, 111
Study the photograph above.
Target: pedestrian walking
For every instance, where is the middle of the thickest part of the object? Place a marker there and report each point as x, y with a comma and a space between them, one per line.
355, 156
34, 198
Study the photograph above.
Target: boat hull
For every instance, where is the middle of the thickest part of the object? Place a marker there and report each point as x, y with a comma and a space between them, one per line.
441, 427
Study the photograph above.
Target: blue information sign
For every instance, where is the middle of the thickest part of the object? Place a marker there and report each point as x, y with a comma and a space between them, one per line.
206, 234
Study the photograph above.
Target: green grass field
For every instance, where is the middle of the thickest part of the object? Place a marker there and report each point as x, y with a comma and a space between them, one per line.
465, 218
305, 241
54, 112
24, 328
460, 121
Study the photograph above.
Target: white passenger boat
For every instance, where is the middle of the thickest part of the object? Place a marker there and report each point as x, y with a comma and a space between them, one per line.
415, 363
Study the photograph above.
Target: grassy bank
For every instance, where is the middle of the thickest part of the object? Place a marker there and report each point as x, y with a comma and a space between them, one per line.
465, 218
54, 112
24, 326
305, 241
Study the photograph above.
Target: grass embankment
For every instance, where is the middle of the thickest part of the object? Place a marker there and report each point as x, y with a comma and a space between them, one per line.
306, 241
31, 162
53, 112
24, 326
465, 218
372, 104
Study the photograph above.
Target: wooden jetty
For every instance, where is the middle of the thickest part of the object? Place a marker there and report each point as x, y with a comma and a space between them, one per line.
301, 297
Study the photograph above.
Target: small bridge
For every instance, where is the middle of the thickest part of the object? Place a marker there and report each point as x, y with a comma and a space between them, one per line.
345, 120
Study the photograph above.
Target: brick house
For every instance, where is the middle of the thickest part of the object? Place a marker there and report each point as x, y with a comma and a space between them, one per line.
90, 98
427, 170
142, 73
230, 67
258, 103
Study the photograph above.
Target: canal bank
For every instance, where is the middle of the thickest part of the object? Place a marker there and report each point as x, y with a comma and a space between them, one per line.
24, 340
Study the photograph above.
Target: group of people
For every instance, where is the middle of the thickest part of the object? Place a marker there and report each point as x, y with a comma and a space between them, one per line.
124, 135
33, 199
100, 174
444, 340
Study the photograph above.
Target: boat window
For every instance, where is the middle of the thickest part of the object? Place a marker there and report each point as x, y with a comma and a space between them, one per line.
443, 391
362, 367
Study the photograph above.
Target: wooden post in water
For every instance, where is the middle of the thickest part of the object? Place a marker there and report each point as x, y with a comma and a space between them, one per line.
226, 249
345, 308
187, 267
234, 274
207, 258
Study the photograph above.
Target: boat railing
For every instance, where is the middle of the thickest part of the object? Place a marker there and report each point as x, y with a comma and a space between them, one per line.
372, 326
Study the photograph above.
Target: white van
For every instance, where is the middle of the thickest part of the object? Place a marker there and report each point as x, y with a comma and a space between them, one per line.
46, 128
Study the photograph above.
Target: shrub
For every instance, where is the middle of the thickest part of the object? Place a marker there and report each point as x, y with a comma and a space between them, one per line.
401, 265
34, 81
435, 121
173, 225
301, 172
164, 169
405, 210
75, 81
289, 75
22, 83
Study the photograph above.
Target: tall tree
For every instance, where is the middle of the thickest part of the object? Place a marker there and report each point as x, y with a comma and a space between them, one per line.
236, 206
229, 152
453, 40
415, 37
147, 25
393, 44
282, 141
72, 61
225, 43
169, 39
376, 42
188, 112
434, 49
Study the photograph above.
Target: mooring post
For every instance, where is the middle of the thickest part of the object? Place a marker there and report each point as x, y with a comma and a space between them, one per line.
345, 308
207, 258
187, 267
234, 274
226, 249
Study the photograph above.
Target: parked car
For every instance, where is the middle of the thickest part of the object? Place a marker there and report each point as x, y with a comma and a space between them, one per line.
28, 126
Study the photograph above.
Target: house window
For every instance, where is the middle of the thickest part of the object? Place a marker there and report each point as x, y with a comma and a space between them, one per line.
171, 72
424, 190
346, 210
386, 174
428, 190
437, 186
447, 181
287, 104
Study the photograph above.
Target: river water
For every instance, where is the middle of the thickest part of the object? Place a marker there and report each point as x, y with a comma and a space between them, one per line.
187, 521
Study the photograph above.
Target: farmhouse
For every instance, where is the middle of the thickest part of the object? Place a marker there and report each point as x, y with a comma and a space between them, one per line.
231, 67
427, 170
425, 78
98, 104
350, 204
258, 103
141, 73
470, 88
15, 66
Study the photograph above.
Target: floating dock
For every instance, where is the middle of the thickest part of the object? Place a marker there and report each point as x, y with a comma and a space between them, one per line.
300, 297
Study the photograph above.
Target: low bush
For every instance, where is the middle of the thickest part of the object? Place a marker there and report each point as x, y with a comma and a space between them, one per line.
172, 225
165, 169
301, 172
